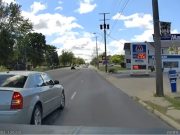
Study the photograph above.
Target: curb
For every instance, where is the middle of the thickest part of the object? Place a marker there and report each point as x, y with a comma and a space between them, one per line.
170, 121
165, 118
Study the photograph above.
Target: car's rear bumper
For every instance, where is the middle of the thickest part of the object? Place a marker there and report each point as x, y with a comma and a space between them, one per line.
14, 116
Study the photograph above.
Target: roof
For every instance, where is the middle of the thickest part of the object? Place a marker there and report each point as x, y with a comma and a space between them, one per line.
127, 46
24, 73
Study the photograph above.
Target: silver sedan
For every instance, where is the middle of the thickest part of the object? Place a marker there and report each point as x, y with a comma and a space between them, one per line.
27, 96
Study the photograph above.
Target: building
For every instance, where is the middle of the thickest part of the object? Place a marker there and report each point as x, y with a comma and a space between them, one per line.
170, 51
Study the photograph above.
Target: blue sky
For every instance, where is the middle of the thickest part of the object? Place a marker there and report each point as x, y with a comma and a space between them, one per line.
70, 24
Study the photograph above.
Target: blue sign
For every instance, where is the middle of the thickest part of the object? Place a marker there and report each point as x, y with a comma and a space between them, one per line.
172, 79
171, 37
167, 56
139, 51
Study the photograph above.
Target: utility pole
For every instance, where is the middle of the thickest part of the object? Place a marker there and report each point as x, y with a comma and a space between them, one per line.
105, 26
157, 40
97, 60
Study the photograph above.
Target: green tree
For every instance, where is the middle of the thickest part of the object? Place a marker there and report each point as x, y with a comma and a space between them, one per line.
13, 27
51, 56
79, 61
66, 58
6, 47
117, 59
33, 48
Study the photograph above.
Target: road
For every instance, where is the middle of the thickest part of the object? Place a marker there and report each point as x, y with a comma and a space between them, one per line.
93, 101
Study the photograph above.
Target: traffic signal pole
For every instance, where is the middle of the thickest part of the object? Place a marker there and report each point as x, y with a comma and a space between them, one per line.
104, 27
157, 40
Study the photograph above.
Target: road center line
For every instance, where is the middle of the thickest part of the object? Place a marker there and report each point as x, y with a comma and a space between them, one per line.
73, 95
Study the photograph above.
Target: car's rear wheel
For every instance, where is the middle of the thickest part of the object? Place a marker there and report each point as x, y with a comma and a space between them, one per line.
62, 103
36, 116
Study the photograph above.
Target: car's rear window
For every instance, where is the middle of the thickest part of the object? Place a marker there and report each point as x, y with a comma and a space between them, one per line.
16, 81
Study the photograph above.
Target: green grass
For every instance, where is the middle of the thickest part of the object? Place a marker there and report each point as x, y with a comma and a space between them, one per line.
174, 101
41, 68
116, 68
157, 107
2, 68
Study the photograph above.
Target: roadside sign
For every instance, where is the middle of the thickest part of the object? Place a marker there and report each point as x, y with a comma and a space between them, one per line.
139, 57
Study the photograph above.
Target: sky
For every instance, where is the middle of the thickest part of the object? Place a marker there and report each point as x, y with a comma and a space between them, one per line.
70, 24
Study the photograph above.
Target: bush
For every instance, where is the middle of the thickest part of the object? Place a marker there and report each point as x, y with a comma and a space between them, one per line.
2, 68
112, 70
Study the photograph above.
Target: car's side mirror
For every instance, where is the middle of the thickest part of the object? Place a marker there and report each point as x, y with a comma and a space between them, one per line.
56, 82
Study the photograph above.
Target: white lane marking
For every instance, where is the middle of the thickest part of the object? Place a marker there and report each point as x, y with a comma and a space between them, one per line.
73, 95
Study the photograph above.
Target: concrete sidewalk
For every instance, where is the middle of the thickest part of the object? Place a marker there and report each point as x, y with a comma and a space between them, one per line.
143, 89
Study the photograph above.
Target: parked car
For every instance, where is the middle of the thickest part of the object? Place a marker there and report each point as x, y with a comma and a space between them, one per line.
27, 96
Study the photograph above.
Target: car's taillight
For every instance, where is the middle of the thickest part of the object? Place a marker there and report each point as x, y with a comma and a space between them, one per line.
17, 101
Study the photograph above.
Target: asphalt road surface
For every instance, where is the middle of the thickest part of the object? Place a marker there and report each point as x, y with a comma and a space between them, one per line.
93, 101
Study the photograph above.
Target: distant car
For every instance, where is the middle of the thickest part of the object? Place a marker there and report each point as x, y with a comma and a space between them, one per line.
27, 96
73, 67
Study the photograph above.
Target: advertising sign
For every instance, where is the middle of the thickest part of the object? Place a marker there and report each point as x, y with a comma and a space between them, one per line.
165, 29
139, 51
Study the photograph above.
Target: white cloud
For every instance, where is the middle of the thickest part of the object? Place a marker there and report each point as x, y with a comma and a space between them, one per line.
145, 36
116, 47
59, 8
37, 6
86, 6
60, 2
50, 24
137, 20
175, 31
81, 44
9, 1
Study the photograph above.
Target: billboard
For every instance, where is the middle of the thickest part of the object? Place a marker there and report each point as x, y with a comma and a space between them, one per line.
165, 29
139, 56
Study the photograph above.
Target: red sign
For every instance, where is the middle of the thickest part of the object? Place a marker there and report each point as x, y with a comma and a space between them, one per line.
141, 56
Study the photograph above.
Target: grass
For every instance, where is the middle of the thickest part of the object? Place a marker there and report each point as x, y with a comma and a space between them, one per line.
2, 68
41, 68
157, 107
116, 68
174, 101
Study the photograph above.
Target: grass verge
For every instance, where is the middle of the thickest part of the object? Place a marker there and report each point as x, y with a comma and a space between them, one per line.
157, 107
2, 69
113, 69
174, 101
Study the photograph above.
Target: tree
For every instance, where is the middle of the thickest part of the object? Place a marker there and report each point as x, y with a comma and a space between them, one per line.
66, 58
6, 47
51, 55
13, 27
117, 59
79, 61
33, 48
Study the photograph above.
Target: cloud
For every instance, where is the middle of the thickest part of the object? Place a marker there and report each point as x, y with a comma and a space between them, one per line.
174, 31
145, 36
60, 2
9, 1
82, 44
37, 6
86, 6
50, 24
137, 20
116, 47
59, 8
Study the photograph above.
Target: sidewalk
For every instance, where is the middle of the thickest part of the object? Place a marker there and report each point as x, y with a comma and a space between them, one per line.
143, 89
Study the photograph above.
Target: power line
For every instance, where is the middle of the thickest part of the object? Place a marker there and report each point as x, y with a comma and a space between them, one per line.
121, 12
